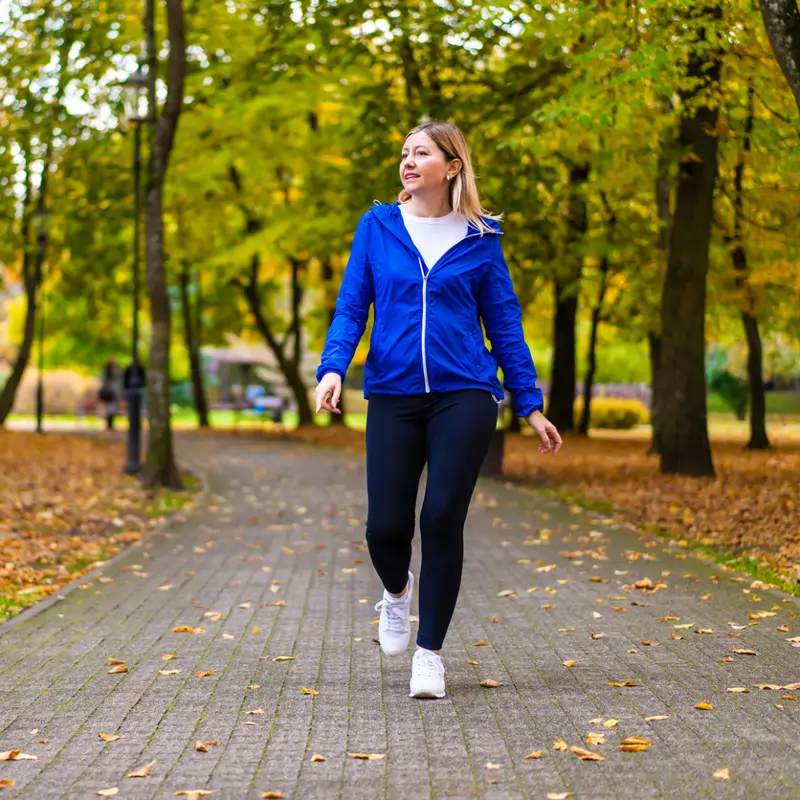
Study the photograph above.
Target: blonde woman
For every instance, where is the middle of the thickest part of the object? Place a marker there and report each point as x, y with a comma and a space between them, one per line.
432, 266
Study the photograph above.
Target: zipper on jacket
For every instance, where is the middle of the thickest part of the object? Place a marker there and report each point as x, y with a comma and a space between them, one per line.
424, 323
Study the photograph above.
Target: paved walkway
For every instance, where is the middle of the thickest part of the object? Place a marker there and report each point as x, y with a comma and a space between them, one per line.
272, 563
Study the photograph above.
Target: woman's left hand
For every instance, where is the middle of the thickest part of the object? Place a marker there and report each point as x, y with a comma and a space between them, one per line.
551, 441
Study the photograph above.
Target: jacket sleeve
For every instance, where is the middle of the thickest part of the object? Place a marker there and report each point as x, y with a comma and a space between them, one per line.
352, 309
502, 317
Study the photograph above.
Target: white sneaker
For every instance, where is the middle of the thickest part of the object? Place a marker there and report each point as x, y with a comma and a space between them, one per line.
427, 675
394, 629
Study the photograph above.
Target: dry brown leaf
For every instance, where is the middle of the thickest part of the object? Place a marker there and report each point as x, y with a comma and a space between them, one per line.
368, 756
5, 783
109, 737
317, 757
746, 652
142, 772
305, 690
111, 661
203, 673
534, 754
119, 668
622, 683
596, 635
723, 774
651, 644
169, 656
585, 755
490, 684
255, 711
271, 796
703, 706
200, 747
634, 744
17, 755
472, 661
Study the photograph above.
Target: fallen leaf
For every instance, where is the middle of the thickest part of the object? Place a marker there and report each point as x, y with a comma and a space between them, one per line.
169, 672
194, 794
255, 711
559, 795
142, 772
570, 663
746, 652
596, 635
203, 673
183, 629
119, 668
738, 690
111, 661
317, 757
534, 754
623, 683
507, 593
560, 744
304, 690
108, 792
595, 738
490, 765
489, 683
169, 656
651, 644
283, 658
703, 706
271, 796
633, 744
611, 723
723, 774
200, 747
6, 784
472, 661
368, 756
585, 755
108, 737
17, 755
656, 718
481, 643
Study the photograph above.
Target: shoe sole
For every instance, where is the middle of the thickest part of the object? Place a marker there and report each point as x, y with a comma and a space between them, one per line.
426, 695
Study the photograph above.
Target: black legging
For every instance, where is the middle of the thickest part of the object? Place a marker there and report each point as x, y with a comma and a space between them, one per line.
451, 431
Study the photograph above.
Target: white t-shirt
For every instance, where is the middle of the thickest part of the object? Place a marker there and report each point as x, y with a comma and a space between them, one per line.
434, 236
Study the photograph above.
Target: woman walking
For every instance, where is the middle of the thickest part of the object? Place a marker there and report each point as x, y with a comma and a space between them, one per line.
432, 266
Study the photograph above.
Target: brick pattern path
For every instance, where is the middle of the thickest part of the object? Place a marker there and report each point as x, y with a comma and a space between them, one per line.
274, 554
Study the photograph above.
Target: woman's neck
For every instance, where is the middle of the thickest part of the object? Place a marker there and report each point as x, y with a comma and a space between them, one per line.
424, 206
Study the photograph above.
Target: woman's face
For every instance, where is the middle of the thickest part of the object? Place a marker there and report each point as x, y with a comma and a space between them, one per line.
423, 165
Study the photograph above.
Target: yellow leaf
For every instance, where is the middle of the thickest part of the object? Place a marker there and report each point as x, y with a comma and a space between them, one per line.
559, 795
723, 774
194, 794
746, 652
633, 744
17, 755
571, 663
489, 683
119, 668
585, 755
111, 661
481, 643
257, 629
534, 754
200, 747
108, 737
108, 792
6, 784
183, 629
472, 661
255, 711
611, 723
595, 738
490, 765
317, 757
704, 706
203, 673
622, 683
656, 718
169, 672
169, 656
271, 796
283, 658
368, 756
738, 690
304, 690
142, 772
560, 744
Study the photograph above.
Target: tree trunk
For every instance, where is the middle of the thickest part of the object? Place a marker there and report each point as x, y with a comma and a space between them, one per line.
654, 337
591, 368
330, 299
755, 378
191, 335
160, 468
561, 400
654, 346
684, 443
289, 367
782, 23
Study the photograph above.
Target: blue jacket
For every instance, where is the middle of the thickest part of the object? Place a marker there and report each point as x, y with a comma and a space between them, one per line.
427, 335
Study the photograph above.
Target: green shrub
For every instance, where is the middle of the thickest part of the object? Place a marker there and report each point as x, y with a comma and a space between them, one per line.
617, 413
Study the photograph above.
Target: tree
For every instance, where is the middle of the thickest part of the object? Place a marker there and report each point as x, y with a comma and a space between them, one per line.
160, 468
684, 445
782, 23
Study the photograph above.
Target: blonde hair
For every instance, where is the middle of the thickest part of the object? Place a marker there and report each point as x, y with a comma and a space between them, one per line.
463, 189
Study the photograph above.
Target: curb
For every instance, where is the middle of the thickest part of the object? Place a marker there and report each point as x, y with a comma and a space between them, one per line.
158, 531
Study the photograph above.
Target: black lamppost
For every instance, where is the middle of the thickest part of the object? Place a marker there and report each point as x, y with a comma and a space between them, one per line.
41, 249
135, 88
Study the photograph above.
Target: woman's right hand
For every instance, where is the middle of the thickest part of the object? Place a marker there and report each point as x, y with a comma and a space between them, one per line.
328, 392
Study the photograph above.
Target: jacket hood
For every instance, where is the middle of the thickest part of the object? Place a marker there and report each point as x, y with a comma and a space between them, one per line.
389, 214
